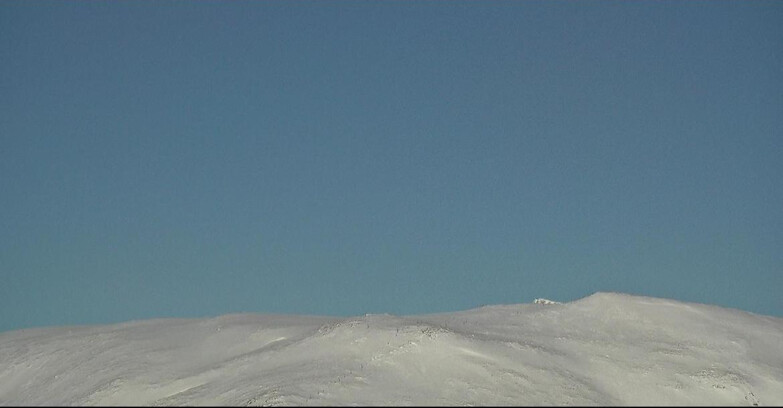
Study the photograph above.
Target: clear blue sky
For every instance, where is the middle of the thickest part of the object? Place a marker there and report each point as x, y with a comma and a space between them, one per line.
184, 159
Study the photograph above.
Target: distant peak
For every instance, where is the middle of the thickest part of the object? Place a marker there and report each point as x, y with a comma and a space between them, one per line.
609, 295
542, 301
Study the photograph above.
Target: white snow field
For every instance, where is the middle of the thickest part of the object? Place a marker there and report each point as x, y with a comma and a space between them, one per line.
605, 349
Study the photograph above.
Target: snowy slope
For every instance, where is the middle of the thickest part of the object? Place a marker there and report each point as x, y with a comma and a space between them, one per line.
608, 349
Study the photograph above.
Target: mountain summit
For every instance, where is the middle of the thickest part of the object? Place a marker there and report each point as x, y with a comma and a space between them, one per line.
605, 349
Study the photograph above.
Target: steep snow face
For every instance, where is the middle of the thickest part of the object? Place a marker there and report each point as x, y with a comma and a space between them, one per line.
607, 349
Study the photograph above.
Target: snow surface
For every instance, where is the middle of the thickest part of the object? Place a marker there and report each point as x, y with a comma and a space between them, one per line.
605, 349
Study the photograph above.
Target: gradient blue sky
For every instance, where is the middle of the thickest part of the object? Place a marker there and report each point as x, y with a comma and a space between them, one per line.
183, 159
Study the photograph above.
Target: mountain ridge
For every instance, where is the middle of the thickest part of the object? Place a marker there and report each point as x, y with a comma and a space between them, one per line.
604, 349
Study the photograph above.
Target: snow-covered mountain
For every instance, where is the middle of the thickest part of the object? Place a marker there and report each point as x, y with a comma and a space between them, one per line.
607, 349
